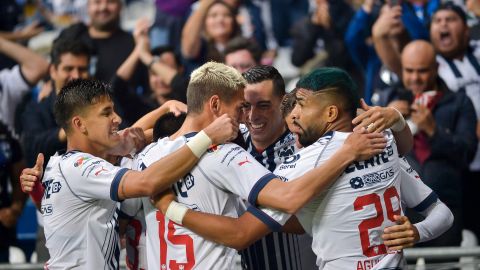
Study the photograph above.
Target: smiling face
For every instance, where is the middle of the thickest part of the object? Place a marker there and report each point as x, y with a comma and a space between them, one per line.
70, 67
104, 14
263, 115
449, 34
219, 22
100, 124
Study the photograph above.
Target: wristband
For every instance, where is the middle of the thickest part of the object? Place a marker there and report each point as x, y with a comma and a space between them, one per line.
199, 143
176, 212
400, 124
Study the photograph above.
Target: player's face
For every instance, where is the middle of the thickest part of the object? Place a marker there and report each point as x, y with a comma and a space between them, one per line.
70, 67
101, 125
241, 60
263, 115
448, 33
234, 108
104, 14
307, 117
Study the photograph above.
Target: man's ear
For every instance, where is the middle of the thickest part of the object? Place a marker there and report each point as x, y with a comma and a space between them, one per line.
214, 104
78, 124
331, 113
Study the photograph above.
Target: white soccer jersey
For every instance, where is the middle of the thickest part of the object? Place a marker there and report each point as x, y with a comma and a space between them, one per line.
348, 219
223, 175
80, 212
135, 231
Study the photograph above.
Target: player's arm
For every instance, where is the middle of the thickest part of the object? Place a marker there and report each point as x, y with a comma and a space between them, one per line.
148, 121
166, 171
237, 233
377, 119
290, 196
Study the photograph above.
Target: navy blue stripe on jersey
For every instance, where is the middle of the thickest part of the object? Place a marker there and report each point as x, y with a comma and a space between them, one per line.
431, 199
116, 183
276, 240
190, 135
270, 222
272, 260
270, 162
454, 68
261, 183
474, 62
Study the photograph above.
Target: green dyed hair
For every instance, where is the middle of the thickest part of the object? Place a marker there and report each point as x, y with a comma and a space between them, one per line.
326, 78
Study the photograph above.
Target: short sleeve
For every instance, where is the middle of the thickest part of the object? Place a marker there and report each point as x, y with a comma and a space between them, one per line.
12, 88
274, 219
415, 194
91, 177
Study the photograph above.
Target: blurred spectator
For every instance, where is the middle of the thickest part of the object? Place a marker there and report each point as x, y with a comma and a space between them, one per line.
16, 82
323, 30
242, 54
109, 43
166, 78
170, 17
41, 134
285, 13
207, 32
459, 67
12, 198
23, 33
473, 7
443, 124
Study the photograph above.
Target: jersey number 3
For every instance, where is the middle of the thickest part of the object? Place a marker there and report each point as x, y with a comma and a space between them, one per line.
377, 221
180, 240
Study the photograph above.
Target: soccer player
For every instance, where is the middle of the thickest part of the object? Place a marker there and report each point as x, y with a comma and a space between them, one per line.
80, 206
225, 174
349, 217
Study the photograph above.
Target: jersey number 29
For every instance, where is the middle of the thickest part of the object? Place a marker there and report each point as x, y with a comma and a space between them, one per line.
377, 221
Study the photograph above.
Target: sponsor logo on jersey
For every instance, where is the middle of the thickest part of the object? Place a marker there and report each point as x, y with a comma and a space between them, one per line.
290, 162
283, 178
46, 209
241, 163
372, 162
51, 187
372, 178
80, 161
184, 185
236, 149
100, 171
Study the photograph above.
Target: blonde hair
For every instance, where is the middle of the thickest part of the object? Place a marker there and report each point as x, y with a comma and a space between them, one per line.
212, 79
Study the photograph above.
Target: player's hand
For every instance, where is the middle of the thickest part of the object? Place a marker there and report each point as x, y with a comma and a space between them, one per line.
222, 130
176, 107
162, 200
400, 236
375, 118
132, 140
30, 175
365, 145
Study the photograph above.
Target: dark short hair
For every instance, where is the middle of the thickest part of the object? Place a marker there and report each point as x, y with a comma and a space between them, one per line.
167, 124
158, 51
75, 96
455, 8
288, 103
64, 45
262, 73
241, 43
336, 81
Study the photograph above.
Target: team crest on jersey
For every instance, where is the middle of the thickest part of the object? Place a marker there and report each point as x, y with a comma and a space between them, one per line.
286, 151
51, 187
80, 161
373, 178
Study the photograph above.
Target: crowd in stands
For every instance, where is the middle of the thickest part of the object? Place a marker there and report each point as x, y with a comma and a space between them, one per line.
420, 56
